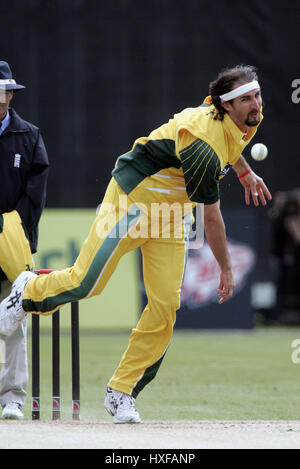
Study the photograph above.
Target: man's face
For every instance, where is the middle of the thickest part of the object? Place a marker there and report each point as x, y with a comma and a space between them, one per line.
5, 99
245, 110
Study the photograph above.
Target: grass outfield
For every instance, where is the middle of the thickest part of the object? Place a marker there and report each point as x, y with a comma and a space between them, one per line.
205, 375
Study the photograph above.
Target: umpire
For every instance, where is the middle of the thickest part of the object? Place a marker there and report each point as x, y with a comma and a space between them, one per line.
23, 179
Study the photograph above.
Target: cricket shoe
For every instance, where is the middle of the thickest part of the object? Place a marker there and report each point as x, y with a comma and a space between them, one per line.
11, 309
121, 407
12, 411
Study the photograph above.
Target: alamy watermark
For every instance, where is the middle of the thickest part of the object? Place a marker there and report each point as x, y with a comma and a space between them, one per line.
155, 220
296, 353
2, 352
296, 91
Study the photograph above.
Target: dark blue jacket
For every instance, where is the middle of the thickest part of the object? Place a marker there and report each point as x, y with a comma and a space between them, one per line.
23, 173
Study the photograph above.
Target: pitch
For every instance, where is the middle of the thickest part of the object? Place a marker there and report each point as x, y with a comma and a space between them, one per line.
215, 389
158, 435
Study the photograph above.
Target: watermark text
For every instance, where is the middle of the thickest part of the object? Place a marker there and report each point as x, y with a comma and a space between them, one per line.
296, 91
155, 220
296, 353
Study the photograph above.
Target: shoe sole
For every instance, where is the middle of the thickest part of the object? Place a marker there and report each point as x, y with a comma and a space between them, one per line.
132, 422
12, 417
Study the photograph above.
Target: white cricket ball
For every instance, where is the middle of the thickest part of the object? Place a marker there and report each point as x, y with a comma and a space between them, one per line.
259, 152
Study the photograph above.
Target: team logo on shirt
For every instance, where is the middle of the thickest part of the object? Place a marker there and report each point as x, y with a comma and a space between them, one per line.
17, 160
225, 170
212, 112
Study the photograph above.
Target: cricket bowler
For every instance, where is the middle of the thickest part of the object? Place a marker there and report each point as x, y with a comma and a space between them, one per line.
181, 162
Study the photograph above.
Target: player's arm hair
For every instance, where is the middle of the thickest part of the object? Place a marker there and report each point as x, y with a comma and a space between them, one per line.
216, 235
241, 166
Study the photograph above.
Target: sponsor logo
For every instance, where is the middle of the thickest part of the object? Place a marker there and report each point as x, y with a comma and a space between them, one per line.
13, 300
202, 273
56, 404
35, 404
225, 170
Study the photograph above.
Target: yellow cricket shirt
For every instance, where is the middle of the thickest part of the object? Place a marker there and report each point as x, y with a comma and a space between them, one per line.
184, 159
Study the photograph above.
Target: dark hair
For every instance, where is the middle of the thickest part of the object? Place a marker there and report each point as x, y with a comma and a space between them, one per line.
225, 82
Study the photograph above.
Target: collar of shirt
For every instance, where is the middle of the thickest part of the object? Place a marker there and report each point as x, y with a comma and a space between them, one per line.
5, 123
240, 137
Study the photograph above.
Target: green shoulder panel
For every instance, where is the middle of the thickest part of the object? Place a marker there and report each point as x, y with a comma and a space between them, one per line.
201, 168
144, 160
200, 164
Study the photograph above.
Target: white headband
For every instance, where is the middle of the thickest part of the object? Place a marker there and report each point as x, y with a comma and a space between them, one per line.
240, 90
7, 82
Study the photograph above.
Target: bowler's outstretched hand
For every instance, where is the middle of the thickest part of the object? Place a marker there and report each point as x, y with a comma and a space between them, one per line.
255, 186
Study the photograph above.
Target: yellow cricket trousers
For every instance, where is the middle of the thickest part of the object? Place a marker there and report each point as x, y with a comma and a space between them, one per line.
15, 252
112, 235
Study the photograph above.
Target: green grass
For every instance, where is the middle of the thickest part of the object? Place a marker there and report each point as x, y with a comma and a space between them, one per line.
205, 375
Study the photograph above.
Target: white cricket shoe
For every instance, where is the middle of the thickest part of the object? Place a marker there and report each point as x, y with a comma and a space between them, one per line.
11, 310
121, 406
12, 411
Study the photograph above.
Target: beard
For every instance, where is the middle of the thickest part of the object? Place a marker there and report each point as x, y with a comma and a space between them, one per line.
252, 119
